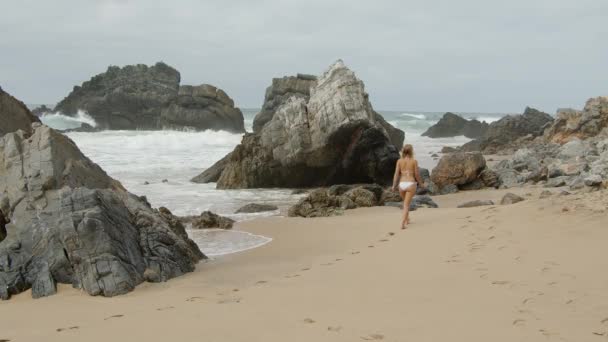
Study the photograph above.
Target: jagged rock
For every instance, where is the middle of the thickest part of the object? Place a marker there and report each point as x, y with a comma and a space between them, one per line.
489, 178
256, 208
477, 203
208, 220
571, 124
334, 200
332, 136
557, 182
390, 195
429, 187
213, 173
71, 223
593, 180
84, 127
281, 90
448, 149
14, 115
142, 97
458, 169
511, 198
503, 134
451, 125
449, 189
202, 107
40, 110
545, 194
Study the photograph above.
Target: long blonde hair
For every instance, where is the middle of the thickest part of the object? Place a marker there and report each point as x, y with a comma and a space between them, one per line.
407, 151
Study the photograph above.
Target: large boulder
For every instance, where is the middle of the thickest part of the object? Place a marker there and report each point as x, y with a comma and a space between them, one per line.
332, 136
202, 107
505, 133
64, 220
451, 125
150, 97
14, 115
572, 124
458, 169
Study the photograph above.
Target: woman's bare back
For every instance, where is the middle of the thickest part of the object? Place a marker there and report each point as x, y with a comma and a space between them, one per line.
407, 166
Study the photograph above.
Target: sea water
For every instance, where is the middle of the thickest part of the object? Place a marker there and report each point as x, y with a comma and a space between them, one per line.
160, 164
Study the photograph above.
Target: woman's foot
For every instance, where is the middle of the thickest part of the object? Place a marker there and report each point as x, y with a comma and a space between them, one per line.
404, 226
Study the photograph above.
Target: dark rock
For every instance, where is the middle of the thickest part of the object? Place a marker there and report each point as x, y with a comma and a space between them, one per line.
71, 223
503, 134
300, 191
593, 180
474, 185
511, 198
449, 189
545, 194
213, 173
142, 97
390, 195
200, 108
40, 110
332, 136
451, 125
458, 169
557, 182
14, 115
256, 208
448, 149
208, 219
165, 181
477, 203
84, 127
489, 178
334, 200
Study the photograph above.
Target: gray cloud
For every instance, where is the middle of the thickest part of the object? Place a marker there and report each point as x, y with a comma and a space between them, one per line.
434, 55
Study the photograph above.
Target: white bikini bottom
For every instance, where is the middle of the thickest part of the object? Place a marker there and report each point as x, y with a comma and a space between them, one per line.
406, 185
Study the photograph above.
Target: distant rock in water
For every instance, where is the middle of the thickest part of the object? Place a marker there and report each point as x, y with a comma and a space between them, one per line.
38, 111
505, 133
572, 124
452, 125
14, 115
326, 132
143, 97
64, 220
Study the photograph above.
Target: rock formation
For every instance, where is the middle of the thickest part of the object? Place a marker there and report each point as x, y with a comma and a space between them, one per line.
571, 124
43, 109
329, 135
504, 133
334, 200
14, 115
142, 97
64, 220
452, 125
256, 208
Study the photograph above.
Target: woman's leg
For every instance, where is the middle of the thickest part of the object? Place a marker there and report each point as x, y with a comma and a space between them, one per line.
403, 218
406, 206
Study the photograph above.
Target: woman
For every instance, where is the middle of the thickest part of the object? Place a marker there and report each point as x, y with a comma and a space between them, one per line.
408, 176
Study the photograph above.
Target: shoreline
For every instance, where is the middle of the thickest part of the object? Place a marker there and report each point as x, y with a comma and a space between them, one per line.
500, 273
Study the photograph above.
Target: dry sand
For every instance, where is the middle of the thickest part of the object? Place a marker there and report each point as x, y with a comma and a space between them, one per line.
532, 271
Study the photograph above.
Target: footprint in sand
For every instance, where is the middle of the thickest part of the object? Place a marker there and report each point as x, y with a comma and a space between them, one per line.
491, 228
113, 316
370, 246
373, 337
229, 300
193, 299
306, 269
327, 264
261, 282
483, 276
309, 320
64, 329
334, 329
338, 259
519, 322
527, 301
501, 282
355, 252
292, 276
383, 240
165, 308
4, 340
391, 233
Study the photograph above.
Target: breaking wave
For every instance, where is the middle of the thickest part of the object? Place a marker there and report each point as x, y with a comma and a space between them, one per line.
61, 121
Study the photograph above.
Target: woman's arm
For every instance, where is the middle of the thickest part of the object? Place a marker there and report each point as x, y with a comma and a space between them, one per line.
417, 174
397, 176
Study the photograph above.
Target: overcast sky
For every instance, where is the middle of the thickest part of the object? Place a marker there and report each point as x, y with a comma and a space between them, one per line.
432, 55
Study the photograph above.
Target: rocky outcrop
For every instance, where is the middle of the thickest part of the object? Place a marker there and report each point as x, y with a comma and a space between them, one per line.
43, 109
459, 169
256, 208
571, 124
452, 125
511, 198
207, 220
66, 221
334, 200
14, 115
505, 134
332, 136
281, 90
200, 108
213, 173
476, 203
143, 97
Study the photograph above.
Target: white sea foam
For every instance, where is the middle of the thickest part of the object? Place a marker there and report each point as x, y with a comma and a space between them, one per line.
217, 242
60, 121
414, 116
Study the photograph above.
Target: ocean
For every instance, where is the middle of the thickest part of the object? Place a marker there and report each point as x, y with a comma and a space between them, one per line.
160, 164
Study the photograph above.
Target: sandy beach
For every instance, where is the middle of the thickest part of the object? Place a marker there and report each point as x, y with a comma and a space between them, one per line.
532, 271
